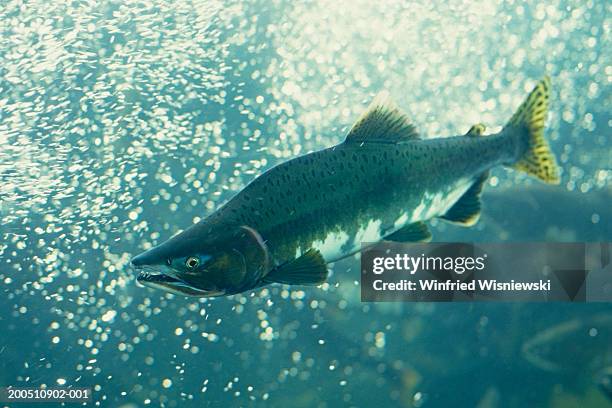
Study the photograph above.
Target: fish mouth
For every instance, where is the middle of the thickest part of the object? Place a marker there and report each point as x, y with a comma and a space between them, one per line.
148, 276
157, 278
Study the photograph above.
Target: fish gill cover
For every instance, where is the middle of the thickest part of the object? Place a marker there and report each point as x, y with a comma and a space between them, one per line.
121, 122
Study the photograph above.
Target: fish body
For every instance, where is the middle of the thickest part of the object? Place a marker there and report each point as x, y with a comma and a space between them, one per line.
334, 199
382, 182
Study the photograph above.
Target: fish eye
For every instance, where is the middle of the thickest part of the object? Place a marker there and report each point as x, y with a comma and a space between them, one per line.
192, 262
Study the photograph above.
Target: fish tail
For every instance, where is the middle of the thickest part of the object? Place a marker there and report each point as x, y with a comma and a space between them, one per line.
527, 124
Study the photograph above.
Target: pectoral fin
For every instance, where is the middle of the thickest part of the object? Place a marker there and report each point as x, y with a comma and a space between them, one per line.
466, 210
416, 232
308, 269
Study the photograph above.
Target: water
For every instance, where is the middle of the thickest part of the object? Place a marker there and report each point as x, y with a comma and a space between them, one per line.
121, 123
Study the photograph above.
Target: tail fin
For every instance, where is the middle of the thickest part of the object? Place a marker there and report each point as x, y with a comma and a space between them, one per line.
529, 120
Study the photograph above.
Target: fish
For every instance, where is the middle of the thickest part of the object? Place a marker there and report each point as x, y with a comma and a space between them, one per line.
575, 345
604, 382
577, 352
383, 182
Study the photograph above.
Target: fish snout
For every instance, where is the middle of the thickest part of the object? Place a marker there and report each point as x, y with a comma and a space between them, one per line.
137, 261
160, 254
148, 257
151, 257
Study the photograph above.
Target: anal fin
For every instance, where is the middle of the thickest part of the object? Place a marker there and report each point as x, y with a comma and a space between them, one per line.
466, 211
308, 269
416, 232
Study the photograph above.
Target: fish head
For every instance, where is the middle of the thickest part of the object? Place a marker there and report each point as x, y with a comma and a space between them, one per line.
205, 262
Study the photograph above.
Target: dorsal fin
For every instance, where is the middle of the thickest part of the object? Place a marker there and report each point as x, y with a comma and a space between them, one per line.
382, 122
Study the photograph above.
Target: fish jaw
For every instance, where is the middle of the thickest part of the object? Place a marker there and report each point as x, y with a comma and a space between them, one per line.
164, 278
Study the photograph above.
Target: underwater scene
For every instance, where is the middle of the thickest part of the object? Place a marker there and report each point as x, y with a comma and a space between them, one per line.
124, 123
